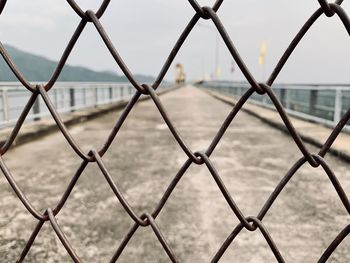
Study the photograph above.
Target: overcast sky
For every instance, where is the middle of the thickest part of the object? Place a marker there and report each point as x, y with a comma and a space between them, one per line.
144, 33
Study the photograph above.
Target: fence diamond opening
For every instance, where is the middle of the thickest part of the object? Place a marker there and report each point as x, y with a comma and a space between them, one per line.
148, 219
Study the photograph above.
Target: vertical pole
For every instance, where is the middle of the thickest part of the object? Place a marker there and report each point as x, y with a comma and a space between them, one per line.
56, 99
264, 99
283, 96
216, 71
312, 102
84, 97
287, 100
337, 106
5, 105
96, 96
71, 99
110, 94
63, 99
36, 109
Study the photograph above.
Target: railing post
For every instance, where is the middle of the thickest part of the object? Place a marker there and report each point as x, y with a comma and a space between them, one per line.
63, 98
36, 109
96, 96
337, 106
84, 96
56, 97
72, 99
110, 94
287, 98
5, 104
313, 101
122, 92
264, 99
283, 97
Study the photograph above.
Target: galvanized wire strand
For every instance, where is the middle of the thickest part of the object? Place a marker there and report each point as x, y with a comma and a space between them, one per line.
336, 242
149, 218
2, 5
62, 237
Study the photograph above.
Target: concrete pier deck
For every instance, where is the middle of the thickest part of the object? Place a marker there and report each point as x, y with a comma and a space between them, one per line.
251, 159
314, 133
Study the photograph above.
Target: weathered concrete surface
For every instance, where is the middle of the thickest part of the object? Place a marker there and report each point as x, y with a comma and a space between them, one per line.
251, 158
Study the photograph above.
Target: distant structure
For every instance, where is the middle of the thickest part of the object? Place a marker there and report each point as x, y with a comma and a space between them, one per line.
180, 76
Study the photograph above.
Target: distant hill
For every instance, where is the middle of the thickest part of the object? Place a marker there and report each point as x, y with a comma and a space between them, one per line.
38, 68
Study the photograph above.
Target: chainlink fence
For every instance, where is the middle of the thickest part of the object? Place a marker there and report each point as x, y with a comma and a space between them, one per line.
148, 219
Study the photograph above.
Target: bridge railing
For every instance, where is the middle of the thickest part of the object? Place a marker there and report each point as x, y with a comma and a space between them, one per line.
318, 103
66, 96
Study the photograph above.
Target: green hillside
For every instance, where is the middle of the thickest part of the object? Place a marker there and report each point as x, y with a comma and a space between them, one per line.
38, 68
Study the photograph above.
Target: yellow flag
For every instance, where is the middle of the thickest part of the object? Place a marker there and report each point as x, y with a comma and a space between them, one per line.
263, 49
218, 72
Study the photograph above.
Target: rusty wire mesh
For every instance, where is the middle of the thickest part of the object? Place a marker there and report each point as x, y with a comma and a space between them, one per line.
251, 223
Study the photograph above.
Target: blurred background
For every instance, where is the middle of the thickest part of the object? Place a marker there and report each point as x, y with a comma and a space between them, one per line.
144, 33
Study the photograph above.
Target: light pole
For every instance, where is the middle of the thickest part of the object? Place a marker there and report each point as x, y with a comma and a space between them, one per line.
216, 72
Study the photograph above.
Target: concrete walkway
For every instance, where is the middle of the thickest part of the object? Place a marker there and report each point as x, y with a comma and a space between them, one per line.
314, 133
251, 159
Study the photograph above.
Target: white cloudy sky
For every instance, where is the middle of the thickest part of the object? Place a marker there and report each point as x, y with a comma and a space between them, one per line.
145, 31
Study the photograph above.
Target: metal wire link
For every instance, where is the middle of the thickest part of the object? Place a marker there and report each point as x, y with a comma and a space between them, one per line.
251, 223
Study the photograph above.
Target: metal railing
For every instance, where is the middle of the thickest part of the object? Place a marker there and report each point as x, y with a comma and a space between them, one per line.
202, 157
321, 103
66, 97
